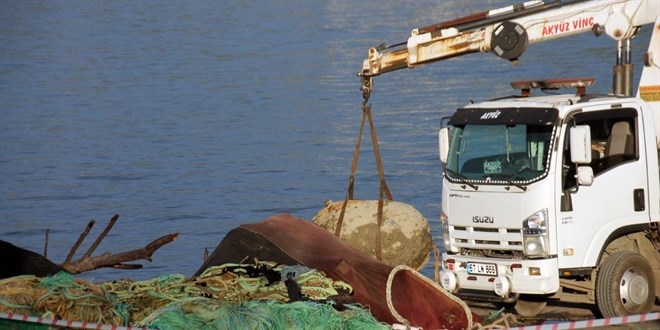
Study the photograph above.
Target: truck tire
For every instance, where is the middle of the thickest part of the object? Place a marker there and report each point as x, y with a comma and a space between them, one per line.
625, 285
530, 305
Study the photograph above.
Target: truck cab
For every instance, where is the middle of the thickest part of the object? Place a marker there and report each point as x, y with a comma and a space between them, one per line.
539, 192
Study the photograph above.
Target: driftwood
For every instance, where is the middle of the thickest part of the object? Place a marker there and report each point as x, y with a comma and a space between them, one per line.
88, 262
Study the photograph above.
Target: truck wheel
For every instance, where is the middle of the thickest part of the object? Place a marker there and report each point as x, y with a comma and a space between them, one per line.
529, 305
625, 285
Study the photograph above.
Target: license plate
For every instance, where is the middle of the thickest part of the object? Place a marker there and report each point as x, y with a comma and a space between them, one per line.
481, 269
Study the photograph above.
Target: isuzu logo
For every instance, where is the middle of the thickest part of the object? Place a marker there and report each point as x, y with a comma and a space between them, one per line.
491, 115
483, 219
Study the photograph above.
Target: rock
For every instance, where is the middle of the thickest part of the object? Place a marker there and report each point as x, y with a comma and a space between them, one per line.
405, 234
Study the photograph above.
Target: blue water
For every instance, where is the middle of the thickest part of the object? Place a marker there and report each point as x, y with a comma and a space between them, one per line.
198, 116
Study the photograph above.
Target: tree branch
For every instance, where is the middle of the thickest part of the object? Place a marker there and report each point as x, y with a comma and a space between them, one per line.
101, 237
87, 263
80, 240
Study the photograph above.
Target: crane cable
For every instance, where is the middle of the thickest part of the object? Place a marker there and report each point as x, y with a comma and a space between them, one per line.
366, 85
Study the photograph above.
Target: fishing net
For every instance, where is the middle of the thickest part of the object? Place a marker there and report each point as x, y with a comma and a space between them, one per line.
60, 297
18, 294
196, 313
14, 325
230, 296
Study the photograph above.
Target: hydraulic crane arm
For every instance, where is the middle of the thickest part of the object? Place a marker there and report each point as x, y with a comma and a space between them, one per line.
507, 31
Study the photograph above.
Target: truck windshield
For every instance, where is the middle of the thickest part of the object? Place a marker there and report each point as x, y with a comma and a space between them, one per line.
499, 153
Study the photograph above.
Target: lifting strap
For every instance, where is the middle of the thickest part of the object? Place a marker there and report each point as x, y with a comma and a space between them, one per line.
384, 189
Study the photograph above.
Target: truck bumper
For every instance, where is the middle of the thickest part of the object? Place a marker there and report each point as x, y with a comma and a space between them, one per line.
498, 279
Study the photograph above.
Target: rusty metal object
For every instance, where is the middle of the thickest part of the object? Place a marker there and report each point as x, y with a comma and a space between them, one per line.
557, 83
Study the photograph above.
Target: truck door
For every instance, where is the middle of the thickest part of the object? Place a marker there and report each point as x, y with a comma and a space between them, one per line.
618, 194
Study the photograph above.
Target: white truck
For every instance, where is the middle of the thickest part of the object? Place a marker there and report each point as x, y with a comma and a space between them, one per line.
548, 196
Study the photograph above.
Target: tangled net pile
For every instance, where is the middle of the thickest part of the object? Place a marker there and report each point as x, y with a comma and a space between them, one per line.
231, 296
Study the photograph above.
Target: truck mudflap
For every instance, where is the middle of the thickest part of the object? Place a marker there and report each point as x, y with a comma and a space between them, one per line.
502, 280
654, 235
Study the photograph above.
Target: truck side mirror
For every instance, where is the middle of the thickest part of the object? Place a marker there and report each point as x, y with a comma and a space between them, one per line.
443, 144
585, 175
580, 144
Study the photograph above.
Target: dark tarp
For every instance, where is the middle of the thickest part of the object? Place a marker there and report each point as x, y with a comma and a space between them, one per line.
15, 261
289, 240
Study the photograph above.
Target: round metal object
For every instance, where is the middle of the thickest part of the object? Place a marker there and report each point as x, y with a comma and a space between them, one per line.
509, 40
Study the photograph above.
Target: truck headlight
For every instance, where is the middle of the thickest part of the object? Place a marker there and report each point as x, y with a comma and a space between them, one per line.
535, 234
535, 246
536, 224
444, 224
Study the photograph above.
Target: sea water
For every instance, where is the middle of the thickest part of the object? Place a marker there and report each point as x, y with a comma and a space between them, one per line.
198, 116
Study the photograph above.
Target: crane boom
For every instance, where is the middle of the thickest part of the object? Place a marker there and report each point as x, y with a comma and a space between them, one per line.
507, 31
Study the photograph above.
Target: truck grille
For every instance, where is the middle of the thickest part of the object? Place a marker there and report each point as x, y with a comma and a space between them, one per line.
486, 238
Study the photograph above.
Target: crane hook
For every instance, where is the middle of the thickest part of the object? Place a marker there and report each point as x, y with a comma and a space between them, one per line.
366, 84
